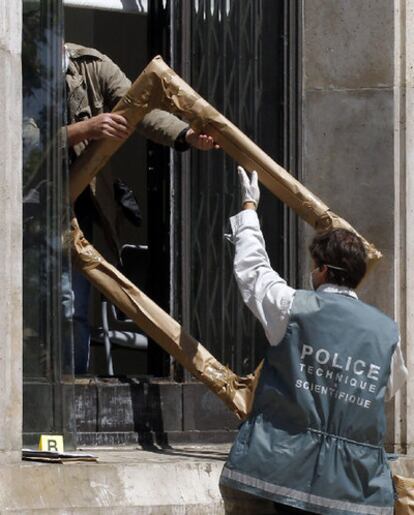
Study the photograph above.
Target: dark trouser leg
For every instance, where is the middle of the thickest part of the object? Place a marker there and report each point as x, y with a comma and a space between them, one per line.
81, 330
282, 509
81, 289
241, 503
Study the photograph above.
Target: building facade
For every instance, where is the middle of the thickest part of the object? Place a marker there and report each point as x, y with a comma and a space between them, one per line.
326, 88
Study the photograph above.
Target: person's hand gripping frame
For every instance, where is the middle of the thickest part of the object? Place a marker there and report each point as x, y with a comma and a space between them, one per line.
250, 192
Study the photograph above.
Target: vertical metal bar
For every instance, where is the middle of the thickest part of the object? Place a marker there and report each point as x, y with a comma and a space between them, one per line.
292, 125
185, 13
107, 340
172, 170
225, 330
159, 191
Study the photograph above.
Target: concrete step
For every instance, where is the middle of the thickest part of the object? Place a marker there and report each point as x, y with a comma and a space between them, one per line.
179, 481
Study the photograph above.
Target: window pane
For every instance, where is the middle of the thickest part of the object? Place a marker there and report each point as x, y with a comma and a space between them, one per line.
47, 296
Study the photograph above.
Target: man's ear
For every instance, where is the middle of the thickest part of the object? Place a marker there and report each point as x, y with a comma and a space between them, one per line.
324, 270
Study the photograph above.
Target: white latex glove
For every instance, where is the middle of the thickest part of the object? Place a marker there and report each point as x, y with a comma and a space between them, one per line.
250, 191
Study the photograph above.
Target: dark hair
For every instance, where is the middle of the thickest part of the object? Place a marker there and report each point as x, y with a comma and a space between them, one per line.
344, 249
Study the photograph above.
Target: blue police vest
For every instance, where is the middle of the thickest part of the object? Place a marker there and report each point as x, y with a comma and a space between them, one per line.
315, 437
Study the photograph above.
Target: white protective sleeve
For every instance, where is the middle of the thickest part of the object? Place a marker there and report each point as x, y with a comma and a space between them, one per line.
398, 374
263, 290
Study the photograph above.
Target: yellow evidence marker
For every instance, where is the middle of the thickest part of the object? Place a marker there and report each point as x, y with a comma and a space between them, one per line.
52, 443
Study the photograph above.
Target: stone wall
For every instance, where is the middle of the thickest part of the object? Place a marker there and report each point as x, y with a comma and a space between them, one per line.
10, 232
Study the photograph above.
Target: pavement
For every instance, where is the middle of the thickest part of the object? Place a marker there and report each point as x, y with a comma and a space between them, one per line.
179, 480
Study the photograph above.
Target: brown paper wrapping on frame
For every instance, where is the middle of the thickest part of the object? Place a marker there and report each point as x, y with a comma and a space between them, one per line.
404, 487
237, 392
159, 86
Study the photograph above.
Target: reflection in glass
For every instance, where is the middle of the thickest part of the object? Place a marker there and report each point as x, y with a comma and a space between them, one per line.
46, 275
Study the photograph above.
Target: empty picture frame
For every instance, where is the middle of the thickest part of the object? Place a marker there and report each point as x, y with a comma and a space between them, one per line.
159, 87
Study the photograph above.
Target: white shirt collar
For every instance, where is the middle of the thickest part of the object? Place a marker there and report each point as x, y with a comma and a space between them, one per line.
334, 288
